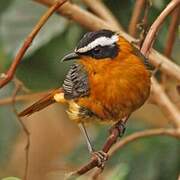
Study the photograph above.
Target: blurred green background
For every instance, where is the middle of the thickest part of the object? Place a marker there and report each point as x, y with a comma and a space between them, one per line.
56, 144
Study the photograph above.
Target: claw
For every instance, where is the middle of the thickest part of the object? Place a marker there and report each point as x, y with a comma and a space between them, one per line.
101, 157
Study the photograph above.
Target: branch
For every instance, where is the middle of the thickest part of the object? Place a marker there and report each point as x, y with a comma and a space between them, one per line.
27, 97
149, 40
83, 17
164, 103
135, 136
142, 134
10, 73
139, 5
159, 95
92, 22
103, 12
126, 140
18, 86
172, 32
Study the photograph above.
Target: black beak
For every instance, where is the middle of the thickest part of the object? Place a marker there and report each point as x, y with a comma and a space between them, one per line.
70, 56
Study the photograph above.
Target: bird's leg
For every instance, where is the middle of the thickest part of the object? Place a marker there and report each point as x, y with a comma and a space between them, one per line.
101, 156
84, 132
117, 130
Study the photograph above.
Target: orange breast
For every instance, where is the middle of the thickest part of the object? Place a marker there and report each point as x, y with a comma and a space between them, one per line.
117, 87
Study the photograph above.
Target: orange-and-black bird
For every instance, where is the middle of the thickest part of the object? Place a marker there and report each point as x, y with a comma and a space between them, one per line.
109, 80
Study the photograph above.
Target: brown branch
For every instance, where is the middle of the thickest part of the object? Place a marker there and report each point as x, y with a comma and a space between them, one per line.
18, 86
149, 40
161, 99
164, 103
27, 97
11, 71
126, 140
112, 138
83, 17
142, 134
139, 5
135, 136
92, 22
172, 32
103, 12
143, 25
164, 65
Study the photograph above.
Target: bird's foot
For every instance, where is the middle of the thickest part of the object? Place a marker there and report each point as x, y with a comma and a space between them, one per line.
101, 157
120, 126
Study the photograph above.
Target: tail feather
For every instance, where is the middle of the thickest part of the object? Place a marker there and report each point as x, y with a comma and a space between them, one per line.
40, 104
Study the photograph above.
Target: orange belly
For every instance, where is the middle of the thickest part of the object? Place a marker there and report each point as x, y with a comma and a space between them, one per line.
116, 90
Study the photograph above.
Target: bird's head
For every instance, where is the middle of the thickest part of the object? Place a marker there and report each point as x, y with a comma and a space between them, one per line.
98, 45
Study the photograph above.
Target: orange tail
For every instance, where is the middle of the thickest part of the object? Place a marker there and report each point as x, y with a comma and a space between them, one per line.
41, 104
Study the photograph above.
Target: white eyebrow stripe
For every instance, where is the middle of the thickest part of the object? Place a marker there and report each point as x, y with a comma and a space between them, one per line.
102, 41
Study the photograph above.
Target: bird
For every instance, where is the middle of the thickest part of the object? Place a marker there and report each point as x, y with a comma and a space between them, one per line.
108, 81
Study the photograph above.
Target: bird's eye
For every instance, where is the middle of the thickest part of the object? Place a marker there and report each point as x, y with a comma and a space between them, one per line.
97, 50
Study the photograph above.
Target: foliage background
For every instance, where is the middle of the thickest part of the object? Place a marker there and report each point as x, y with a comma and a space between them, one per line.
56, 143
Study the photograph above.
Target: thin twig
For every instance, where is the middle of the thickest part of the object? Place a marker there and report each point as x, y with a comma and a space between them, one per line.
139, 5
172, 31
148, 42
160, 97
18, 87
83, 17
112, 138
142, 134
164, 103
99, 8
144, 23
126, 140
11, 71
139, 135
20, 83
26, 97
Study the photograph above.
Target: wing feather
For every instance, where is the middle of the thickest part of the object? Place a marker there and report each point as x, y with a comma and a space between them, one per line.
76, 82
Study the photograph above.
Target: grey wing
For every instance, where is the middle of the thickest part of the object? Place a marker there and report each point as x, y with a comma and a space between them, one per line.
76, 82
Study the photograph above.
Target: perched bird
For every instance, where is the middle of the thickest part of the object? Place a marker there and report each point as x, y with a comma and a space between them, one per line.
109, 80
